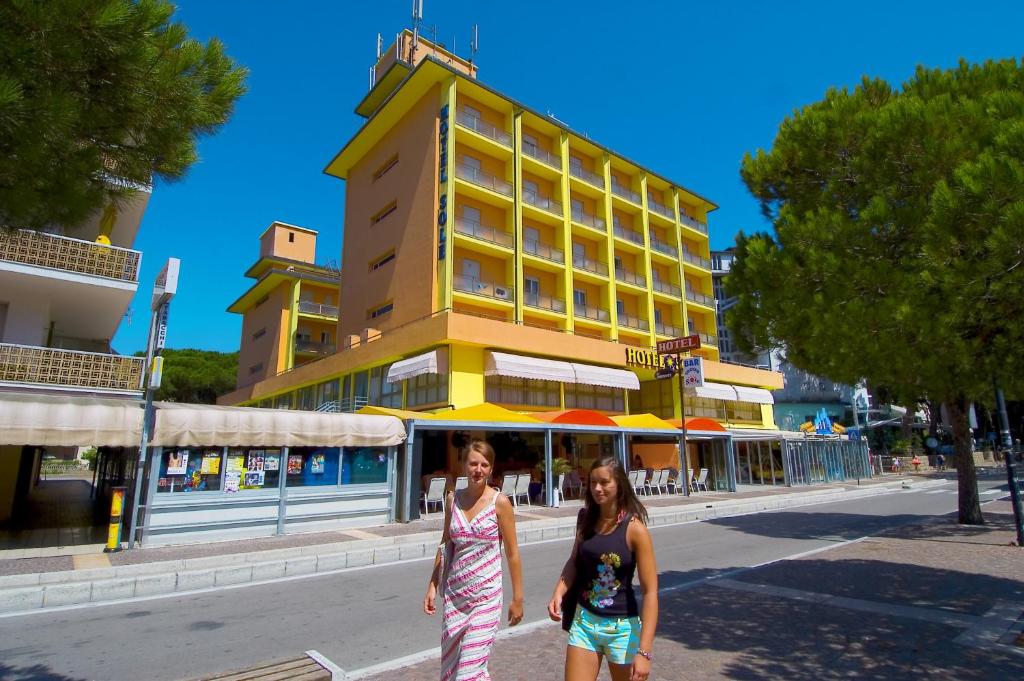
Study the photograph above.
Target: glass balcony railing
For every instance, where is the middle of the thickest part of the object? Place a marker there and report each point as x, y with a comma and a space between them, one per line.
542, 250
487, 289
692, 223
629, 235
700, 298
628, 277
542, 202
633, 322
663, 247
542, 155
661, 209
708, 339
483, 179
588, 265
696, 260
309, 347
625, 193
467, 120
542, 302
587, 176
588, 220
70, 368
309, 307
54, 252
667, 330
665, 287
483, 232
588, 312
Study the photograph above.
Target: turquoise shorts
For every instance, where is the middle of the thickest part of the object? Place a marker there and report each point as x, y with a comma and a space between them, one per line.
617, 638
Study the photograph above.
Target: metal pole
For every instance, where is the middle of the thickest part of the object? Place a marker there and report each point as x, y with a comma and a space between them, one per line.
550, 496
1011, 476
146, 416
684, 471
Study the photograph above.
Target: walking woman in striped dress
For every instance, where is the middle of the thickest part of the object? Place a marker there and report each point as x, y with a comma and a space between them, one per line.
478, 519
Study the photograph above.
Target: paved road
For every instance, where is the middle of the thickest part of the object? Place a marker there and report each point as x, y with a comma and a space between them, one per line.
366, 616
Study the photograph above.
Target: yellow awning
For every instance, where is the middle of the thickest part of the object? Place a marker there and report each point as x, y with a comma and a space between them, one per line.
485, 412
403, 414
642, 421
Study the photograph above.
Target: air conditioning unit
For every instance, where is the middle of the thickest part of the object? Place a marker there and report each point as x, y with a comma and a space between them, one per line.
501, 292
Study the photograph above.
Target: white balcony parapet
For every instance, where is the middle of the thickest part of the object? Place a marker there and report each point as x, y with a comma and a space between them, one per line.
692, 223
633, 322
483, 232
587, 219
625, 193
700, 298
486, 289
309, 307
626, 276
542, 155
483, 179
630, 235
588, 312
542, 302
65, 254
696, 260
543, 250
55, 367
542, 202
583, 174
588, 265
486, 129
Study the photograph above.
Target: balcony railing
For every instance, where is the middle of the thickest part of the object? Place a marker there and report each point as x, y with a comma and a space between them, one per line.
700, 298
663, 247
483, 179
542, 155
486, 129
659, 208
629, 235
586, 175
588, 265
69, 255
486, 289
625, 193
542, 202
624, 275
588, 312
665, 287
70, 368
542, 302
483, 232
588, 220
633, 322
691, 222
542, 250
314, 348
309, 307
667, 330
708, 339
696, 260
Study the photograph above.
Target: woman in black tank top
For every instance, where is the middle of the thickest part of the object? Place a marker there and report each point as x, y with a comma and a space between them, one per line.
594, 596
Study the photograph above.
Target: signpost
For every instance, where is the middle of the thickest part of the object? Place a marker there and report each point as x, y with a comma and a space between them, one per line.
688, 369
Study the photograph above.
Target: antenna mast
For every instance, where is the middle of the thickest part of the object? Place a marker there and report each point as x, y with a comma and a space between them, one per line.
417, 17
474, 44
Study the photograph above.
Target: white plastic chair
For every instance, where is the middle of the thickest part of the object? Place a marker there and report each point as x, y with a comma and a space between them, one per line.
672, 481
641, 484
461, 482
691, 479
702, 480
523, 488
508, 487
660, 481
435, 494
574, 484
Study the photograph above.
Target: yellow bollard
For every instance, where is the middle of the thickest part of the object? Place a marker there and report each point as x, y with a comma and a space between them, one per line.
116, 511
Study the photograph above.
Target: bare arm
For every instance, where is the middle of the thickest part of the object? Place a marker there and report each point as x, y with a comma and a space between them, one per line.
507, 528
435, 577
564, 581
639, 539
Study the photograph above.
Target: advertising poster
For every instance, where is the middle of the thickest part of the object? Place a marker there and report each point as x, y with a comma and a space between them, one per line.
210, 464
177, 462
317, 464
254, 479
255, 461
294, 464
235, 464
272, 462
231, 481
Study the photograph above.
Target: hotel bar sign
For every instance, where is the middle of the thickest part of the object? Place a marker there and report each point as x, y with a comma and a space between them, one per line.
442, 174
639, 357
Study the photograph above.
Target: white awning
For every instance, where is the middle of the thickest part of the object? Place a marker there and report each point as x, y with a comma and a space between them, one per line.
203, 425
715, 391
433, 362
521, 366
69, 421
754, 434
757, 395
588, 374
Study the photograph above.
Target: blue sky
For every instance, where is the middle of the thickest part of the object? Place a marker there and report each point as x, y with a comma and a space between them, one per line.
687, 89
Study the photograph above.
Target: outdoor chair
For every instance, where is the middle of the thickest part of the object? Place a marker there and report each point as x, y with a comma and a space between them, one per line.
691, 479
461, 482
574, 484
508, 487
660, 481
435, 494
702, 480
672, 481
523, 488
557, 497
640, 484
653, 480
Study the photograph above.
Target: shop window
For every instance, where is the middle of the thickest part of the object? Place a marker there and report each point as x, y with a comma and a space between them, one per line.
521, 391
390, 394
326, 392
283, 401
579, 396
189, 470
252, 469
427, 389
706, 407
304, 399
744, 411
312, 466
655, 397
364, 466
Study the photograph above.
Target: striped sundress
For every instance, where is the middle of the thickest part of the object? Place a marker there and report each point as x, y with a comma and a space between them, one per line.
472, 595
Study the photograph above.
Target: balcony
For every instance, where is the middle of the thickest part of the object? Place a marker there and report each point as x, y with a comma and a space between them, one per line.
588, 265
542, 202
625, 193
587, 219
696, 260
663, 247
588, 312
70, 368
486, 129
542, 250
590, 178
309, 347
629, 235
633, 322
625, 276
659, 208
708, 339
483, 232
665, 287
700, 298
692, 223
542, 302
667, 330
483, 179
482, 288
70, 255
309, 307
542, 155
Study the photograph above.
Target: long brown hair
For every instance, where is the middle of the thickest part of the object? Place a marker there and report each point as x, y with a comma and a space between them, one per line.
625, 497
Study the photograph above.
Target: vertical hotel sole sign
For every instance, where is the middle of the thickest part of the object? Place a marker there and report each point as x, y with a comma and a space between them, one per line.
442, 174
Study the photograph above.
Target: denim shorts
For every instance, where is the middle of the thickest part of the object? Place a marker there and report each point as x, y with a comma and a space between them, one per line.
617, 638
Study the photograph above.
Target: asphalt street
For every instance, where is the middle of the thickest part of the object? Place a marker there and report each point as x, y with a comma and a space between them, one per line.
362, 617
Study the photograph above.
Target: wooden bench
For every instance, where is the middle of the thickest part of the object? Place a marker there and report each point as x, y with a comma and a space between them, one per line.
302, 668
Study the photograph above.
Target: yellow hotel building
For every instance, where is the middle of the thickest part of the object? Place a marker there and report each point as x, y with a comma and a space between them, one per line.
491, 254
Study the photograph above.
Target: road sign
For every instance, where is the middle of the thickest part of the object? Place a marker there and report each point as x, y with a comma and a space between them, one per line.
677, 345
166, 283
693, 372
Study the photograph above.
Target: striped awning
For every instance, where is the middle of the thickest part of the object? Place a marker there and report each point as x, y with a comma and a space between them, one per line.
532, 368
433, 362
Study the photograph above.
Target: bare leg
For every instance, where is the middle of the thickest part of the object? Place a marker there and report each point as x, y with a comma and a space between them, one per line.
582, 664
620, 672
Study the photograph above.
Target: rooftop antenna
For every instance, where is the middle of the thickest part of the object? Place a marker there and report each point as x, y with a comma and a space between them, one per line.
474, 44
417, 17
380, 46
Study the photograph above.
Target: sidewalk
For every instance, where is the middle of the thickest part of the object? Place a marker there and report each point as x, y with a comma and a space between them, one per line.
937, 600
33, 583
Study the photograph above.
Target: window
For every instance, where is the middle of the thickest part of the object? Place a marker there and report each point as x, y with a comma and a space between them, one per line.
291, 237
304, 399
259, 333
471, 215
382, 260
579, 253
471, 162
579, 396
522, 391
620, 308
313, 466
427, 389
326, 392
575, 162
576, 208
384, 212
283, 401
654, 397
382, 393
384, 309
530, 189
388, 165
531, 289
616, 220
325, 336
530, 142
256, 368
531, 238
364, 466
252, 469
579, 298
189, 469
471, 111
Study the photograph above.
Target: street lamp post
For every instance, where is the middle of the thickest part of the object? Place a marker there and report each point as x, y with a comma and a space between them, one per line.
1011, 475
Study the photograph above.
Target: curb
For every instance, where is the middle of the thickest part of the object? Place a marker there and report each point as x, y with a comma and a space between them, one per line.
20, 594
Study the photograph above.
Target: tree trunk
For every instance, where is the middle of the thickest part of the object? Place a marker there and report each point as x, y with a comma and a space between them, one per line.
966, 476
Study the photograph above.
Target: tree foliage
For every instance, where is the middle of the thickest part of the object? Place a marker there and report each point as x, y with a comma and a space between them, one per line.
196, 376
98, 95
899, 240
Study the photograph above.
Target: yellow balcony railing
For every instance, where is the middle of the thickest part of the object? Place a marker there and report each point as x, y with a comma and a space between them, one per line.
70, 368
54, 252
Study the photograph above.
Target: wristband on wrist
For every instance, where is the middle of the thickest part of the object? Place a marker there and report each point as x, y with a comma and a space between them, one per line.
645, 653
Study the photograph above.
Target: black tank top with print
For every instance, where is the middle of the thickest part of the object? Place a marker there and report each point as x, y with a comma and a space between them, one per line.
604, 570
